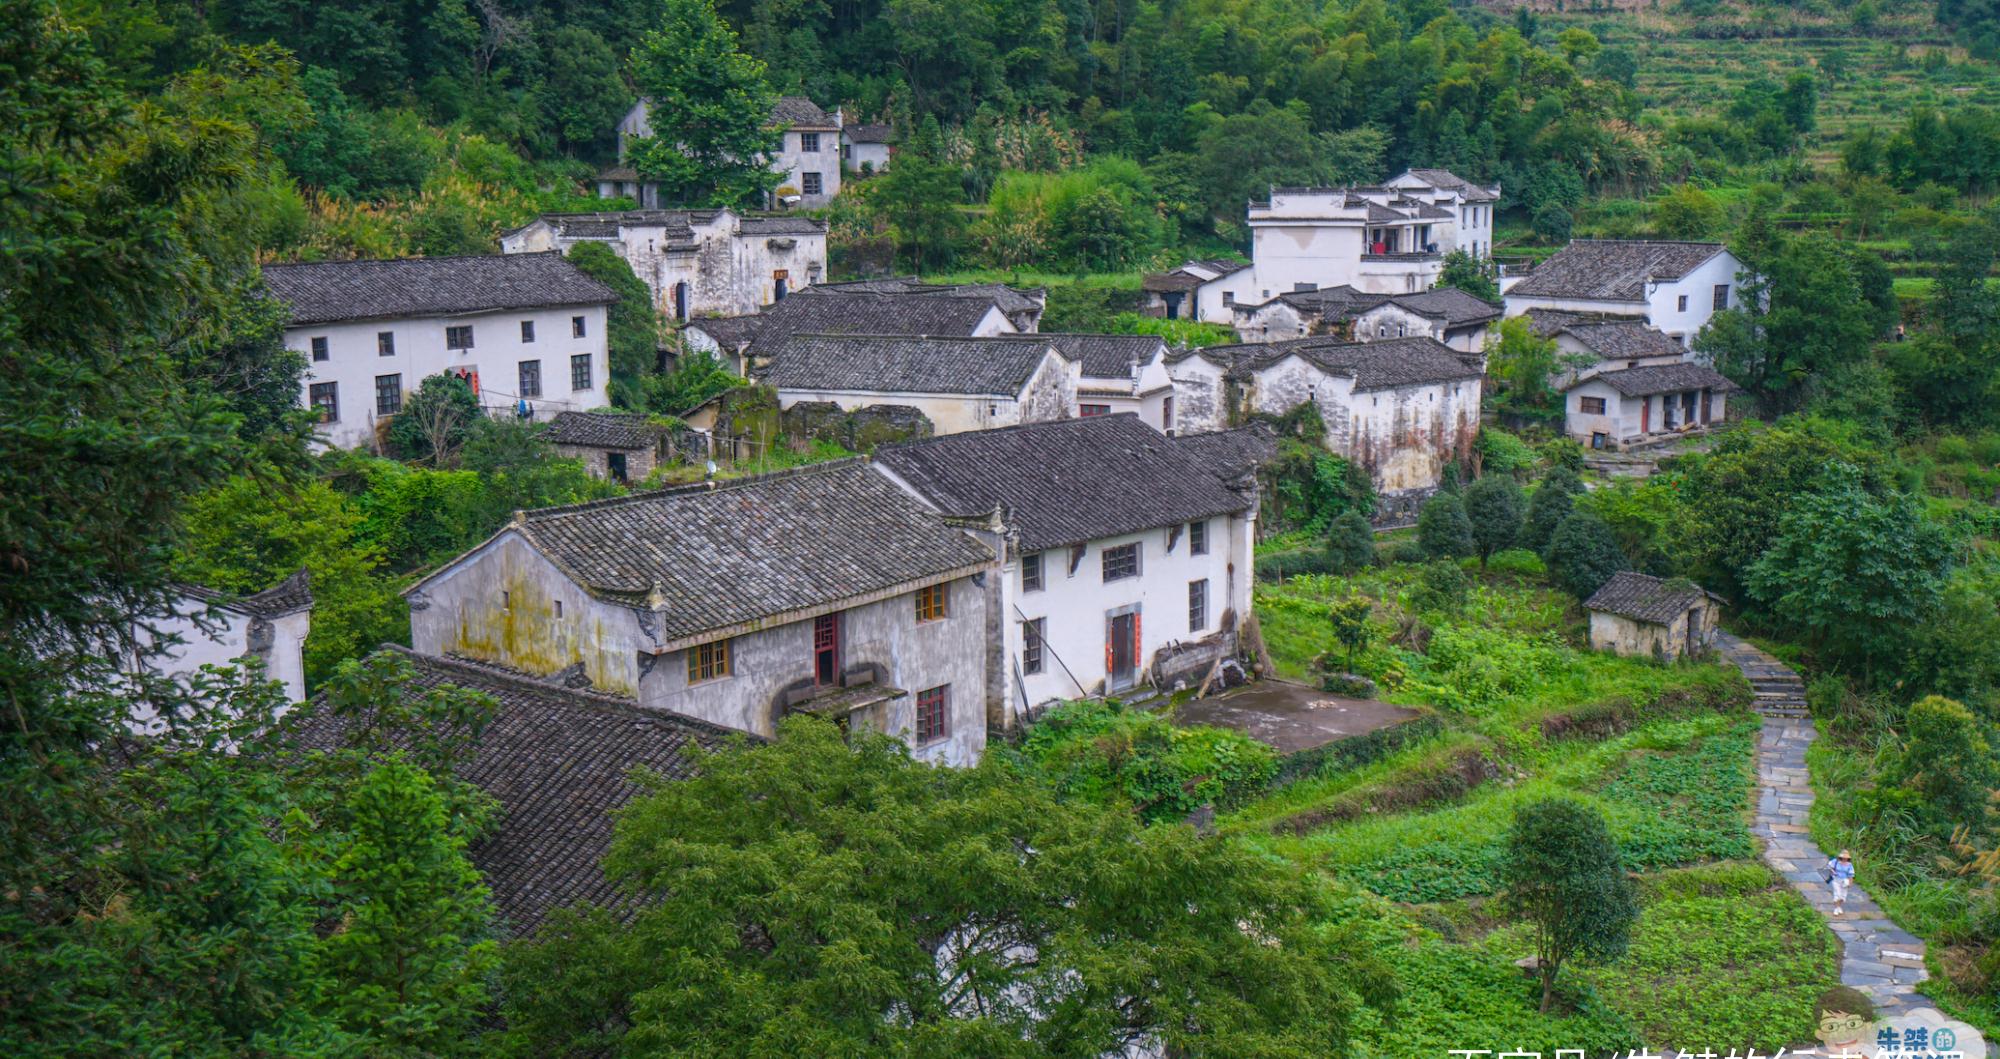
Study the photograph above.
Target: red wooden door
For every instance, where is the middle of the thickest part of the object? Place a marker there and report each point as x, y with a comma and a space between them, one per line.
826, 649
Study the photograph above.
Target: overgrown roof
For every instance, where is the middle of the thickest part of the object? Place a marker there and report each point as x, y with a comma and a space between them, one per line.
1068, 481
1612, 269
904, 364
798, 112
603, 430
332, 291
776, 547
558, 760
1643, 597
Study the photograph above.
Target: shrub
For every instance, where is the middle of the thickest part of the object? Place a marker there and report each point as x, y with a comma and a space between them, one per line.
1350, 544
1442, 528
435, 421
1442, 587
1583, 554
1102, 751
1947, 762
1493, 507
1548, 507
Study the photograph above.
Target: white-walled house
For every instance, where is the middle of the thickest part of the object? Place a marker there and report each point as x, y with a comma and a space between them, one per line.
526, 331
1388, 239
1674, 286
865, 147
1401, 408
210, 628
807, 159
695, 262
1587, 343
1127, 560
1121, 373
1651, 617
1199, 290
1447, 314
845, 309
959, 384
1623, 407
823, 590
1472, 203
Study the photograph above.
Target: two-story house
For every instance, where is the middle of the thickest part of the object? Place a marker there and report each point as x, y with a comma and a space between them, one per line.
695, 262
1121, 373
807, 160
825, 590
526, 332
1674, 286
1127, 560
1447, 314
958, 384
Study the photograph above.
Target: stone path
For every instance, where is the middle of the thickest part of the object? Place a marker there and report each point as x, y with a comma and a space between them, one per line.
1878, 957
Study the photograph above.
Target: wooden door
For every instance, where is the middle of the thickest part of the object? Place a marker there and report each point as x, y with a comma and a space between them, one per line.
1122, 647
826, 649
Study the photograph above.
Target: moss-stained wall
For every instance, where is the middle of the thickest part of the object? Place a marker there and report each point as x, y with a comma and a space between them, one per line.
500, 605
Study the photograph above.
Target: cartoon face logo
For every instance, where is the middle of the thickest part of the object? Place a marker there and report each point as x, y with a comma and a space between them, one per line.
1842, 1032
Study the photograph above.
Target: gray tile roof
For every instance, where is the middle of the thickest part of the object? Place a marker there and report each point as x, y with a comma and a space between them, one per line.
904, 364
1183, 279
1333, 303
605, 224
729, 552
1449, 304
1065, 482
1009, 299
558, 761
1643, 597
800, 112
1624, 340
1661, 378
849, 313
781, 226
1108, 356
869, 133
1612, 269
732, 333
1385, 363
602, 430
1546, 323
1229, 454
1446, 180
289, 596
332, 291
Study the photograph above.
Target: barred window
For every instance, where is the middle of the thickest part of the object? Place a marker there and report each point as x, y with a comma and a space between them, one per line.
810, 184
579, 372
1032, 634
1590, 405
388, 394
809, 144
1031, 572
931, 602
325, 398
933, 719
531, 378
1198, 605
708, 661
1121, 562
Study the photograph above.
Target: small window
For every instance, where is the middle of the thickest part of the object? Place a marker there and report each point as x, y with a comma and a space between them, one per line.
385, 343
1121, 562
1198, 605
1198, 538
933, 720
527, 331
319, 348
931, 602
459, 337
579, 372
559, 608
1721, 296
1681, 303
708, 661
809, 183
388, 394
1085, 411
1593, 406
1033, 632
325, 397
506, 600
809, 144
531, 378
1031, 572
576, 328
1167, 413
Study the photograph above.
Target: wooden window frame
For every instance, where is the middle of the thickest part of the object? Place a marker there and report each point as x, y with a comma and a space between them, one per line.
933, 603
322, 350
1113, 564
385, 343
1583, 406
933, 714
1090, 411
580, 369
1198, 537
394, 395
454, 332
711, 661
529, 386
1034, 645
1038, 581
527, 332
329, 410
1197, 605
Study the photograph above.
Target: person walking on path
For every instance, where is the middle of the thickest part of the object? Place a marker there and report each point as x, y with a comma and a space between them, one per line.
1840, 872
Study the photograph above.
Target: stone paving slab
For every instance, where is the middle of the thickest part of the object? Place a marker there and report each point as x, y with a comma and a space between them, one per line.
1878, 957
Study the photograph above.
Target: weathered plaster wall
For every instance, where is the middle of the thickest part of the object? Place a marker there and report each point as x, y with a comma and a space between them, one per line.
1625, 636
1402, 436
229, 638
638, 462
914, 655
1200, 396
498, 604
1051, 392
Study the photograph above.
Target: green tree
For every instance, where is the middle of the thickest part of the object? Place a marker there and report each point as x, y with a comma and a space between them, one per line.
1442, 586
1552, 223
1686, 212
1493, 506
1801, 315
435, 421
1443, 531
1349, 618
918, 200
1946, 761
1350, 543
1854, 571
633, 328
696, 377
1525, 365
1583, 554
1563, 874
582, 93
1549, 505
710, 111
837, 898
1472, 275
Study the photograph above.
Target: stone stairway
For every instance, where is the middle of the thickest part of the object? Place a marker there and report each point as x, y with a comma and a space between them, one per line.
1877, 957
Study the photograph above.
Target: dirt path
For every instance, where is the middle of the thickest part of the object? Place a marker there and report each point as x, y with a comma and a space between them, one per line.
1877, 957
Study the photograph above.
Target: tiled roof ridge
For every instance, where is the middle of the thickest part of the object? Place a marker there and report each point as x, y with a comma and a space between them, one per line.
714, 485
1654, 242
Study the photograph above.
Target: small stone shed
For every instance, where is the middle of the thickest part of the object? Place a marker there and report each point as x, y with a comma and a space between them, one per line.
623, 448
1638, 614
